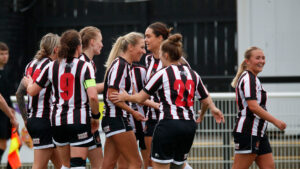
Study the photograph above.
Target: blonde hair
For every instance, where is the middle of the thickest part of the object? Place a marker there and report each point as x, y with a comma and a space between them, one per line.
47, 45
120, 46
243, 65
88, 33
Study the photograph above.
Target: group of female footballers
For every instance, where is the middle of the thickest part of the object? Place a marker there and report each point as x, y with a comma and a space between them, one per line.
152, 104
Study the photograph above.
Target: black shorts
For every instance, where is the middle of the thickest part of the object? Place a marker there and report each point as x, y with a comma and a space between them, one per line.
115, 125
150, 126
172, 141
40, 131
140, 137
96, 142
5, 126
138, 127
75, 135
246, 144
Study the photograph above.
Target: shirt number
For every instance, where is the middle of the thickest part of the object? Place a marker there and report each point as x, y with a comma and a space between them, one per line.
181, 87
66, 85
35, 75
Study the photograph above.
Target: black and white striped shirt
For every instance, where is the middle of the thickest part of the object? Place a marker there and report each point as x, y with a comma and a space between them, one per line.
85, 58
118, 76
152, 65
138, 74
176, 86
250, 88
70, 100
39, 106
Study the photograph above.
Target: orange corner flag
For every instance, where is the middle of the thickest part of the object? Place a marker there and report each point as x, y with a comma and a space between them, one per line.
13, 154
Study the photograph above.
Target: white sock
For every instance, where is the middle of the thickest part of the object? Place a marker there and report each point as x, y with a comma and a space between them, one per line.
77, 167
64, 167
149, 167
187, 166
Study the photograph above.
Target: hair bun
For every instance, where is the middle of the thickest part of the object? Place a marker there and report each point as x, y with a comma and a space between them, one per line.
175, 39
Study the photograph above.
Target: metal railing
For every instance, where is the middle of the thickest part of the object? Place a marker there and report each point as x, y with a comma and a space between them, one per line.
213, 147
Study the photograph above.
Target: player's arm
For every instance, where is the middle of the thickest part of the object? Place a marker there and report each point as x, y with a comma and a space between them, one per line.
150, 103
113, 92
262, 113
100, 87
139, 98
7, 110
32, 88
21, 92
90, 86
208, 103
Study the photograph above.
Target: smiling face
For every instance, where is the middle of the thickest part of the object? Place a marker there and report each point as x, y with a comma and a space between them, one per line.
97, 44
152, 41
256, 61
138, 50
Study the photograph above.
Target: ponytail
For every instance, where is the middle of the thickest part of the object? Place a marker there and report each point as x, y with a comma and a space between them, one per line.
47, 45
69, 42
114, 53
241, 69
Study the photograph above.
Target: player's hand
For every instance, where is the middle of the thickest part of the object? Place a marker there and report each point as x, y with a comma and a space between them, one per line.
15, 123
94, 125
27, 80
218, 115
138, 116
200, 118
280, 124
116, 97
156, 105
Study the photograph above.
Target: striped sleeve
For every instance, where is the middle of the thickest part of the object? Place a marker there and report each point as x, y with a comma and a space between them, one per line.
42, 79
116, 74
154, 83
201, 91
249, 87
90, 72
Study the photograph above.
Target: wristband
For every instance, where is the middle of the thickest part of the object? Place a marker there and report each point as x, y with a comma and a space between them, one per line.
96, 116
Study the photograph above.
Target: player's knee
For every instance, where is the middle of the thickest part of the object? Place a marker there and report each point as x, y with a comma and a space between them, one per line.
137, 163
77, 162
271, 165
175, 166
